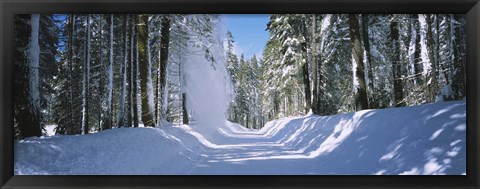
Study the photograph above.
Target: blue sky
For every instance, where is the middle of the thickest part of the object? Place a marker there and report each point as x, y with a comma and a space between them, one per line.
248, 31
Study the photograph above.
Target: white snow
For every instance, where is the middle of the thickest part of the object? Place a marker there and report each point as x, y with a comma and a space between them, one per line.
384, 142
50, 130
208, 96
355, 78
445, 93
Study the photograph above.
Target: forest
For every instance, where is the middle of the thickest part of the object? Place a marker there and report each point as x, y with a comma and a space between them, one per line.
86, 73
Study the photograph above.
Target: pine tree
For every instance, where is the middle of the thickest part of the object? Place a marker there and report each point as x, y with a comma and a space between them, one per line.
291, 33
67, 85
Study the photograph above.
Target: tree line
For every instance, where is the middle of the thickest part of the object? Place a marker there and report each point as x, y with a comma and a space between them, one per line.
91, 72
87, 73
335, 63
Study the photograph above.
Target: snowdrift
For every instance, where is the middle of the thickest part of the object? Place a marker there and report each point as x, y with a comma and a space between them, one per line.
427, 139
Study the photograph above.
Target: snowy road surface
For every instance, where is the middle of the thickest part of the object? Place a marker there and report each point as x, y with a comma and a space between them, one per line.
426, 139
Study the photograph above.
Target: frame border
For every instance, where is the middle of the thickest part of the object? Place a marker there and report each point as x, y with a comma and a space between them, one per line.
10, 7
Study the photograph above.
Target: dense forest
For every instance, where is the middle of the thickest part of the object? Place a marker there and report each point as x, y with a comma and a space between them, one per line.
88, 73
330, 64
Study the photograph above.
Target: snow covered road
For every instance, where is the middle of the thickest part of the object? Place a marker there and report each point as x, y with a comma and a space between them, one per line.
426, 139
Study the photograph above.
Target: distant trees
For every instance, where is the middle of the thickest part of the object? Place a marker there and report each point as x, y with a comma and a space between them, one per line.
244, 74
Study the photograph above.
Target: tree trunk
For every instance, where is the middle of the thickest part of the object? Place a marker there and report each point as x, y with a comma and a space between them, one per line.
145, 72
417, 55
100, 89
129, 76
121, 111
396, 65
366, 45
361, 101
86, 82
432, 77
108, 120
162, 69
315, 104
412, 49
134, 76
184, 108
70, 56
306, 84
459, 76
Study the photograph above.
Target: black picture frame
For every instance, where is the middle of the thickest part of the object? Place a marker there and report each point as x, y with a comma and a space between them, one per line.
10, 7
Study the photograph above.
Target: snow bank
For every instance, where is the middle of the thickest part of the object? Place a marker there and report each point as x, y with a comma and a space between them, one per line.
427, 139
